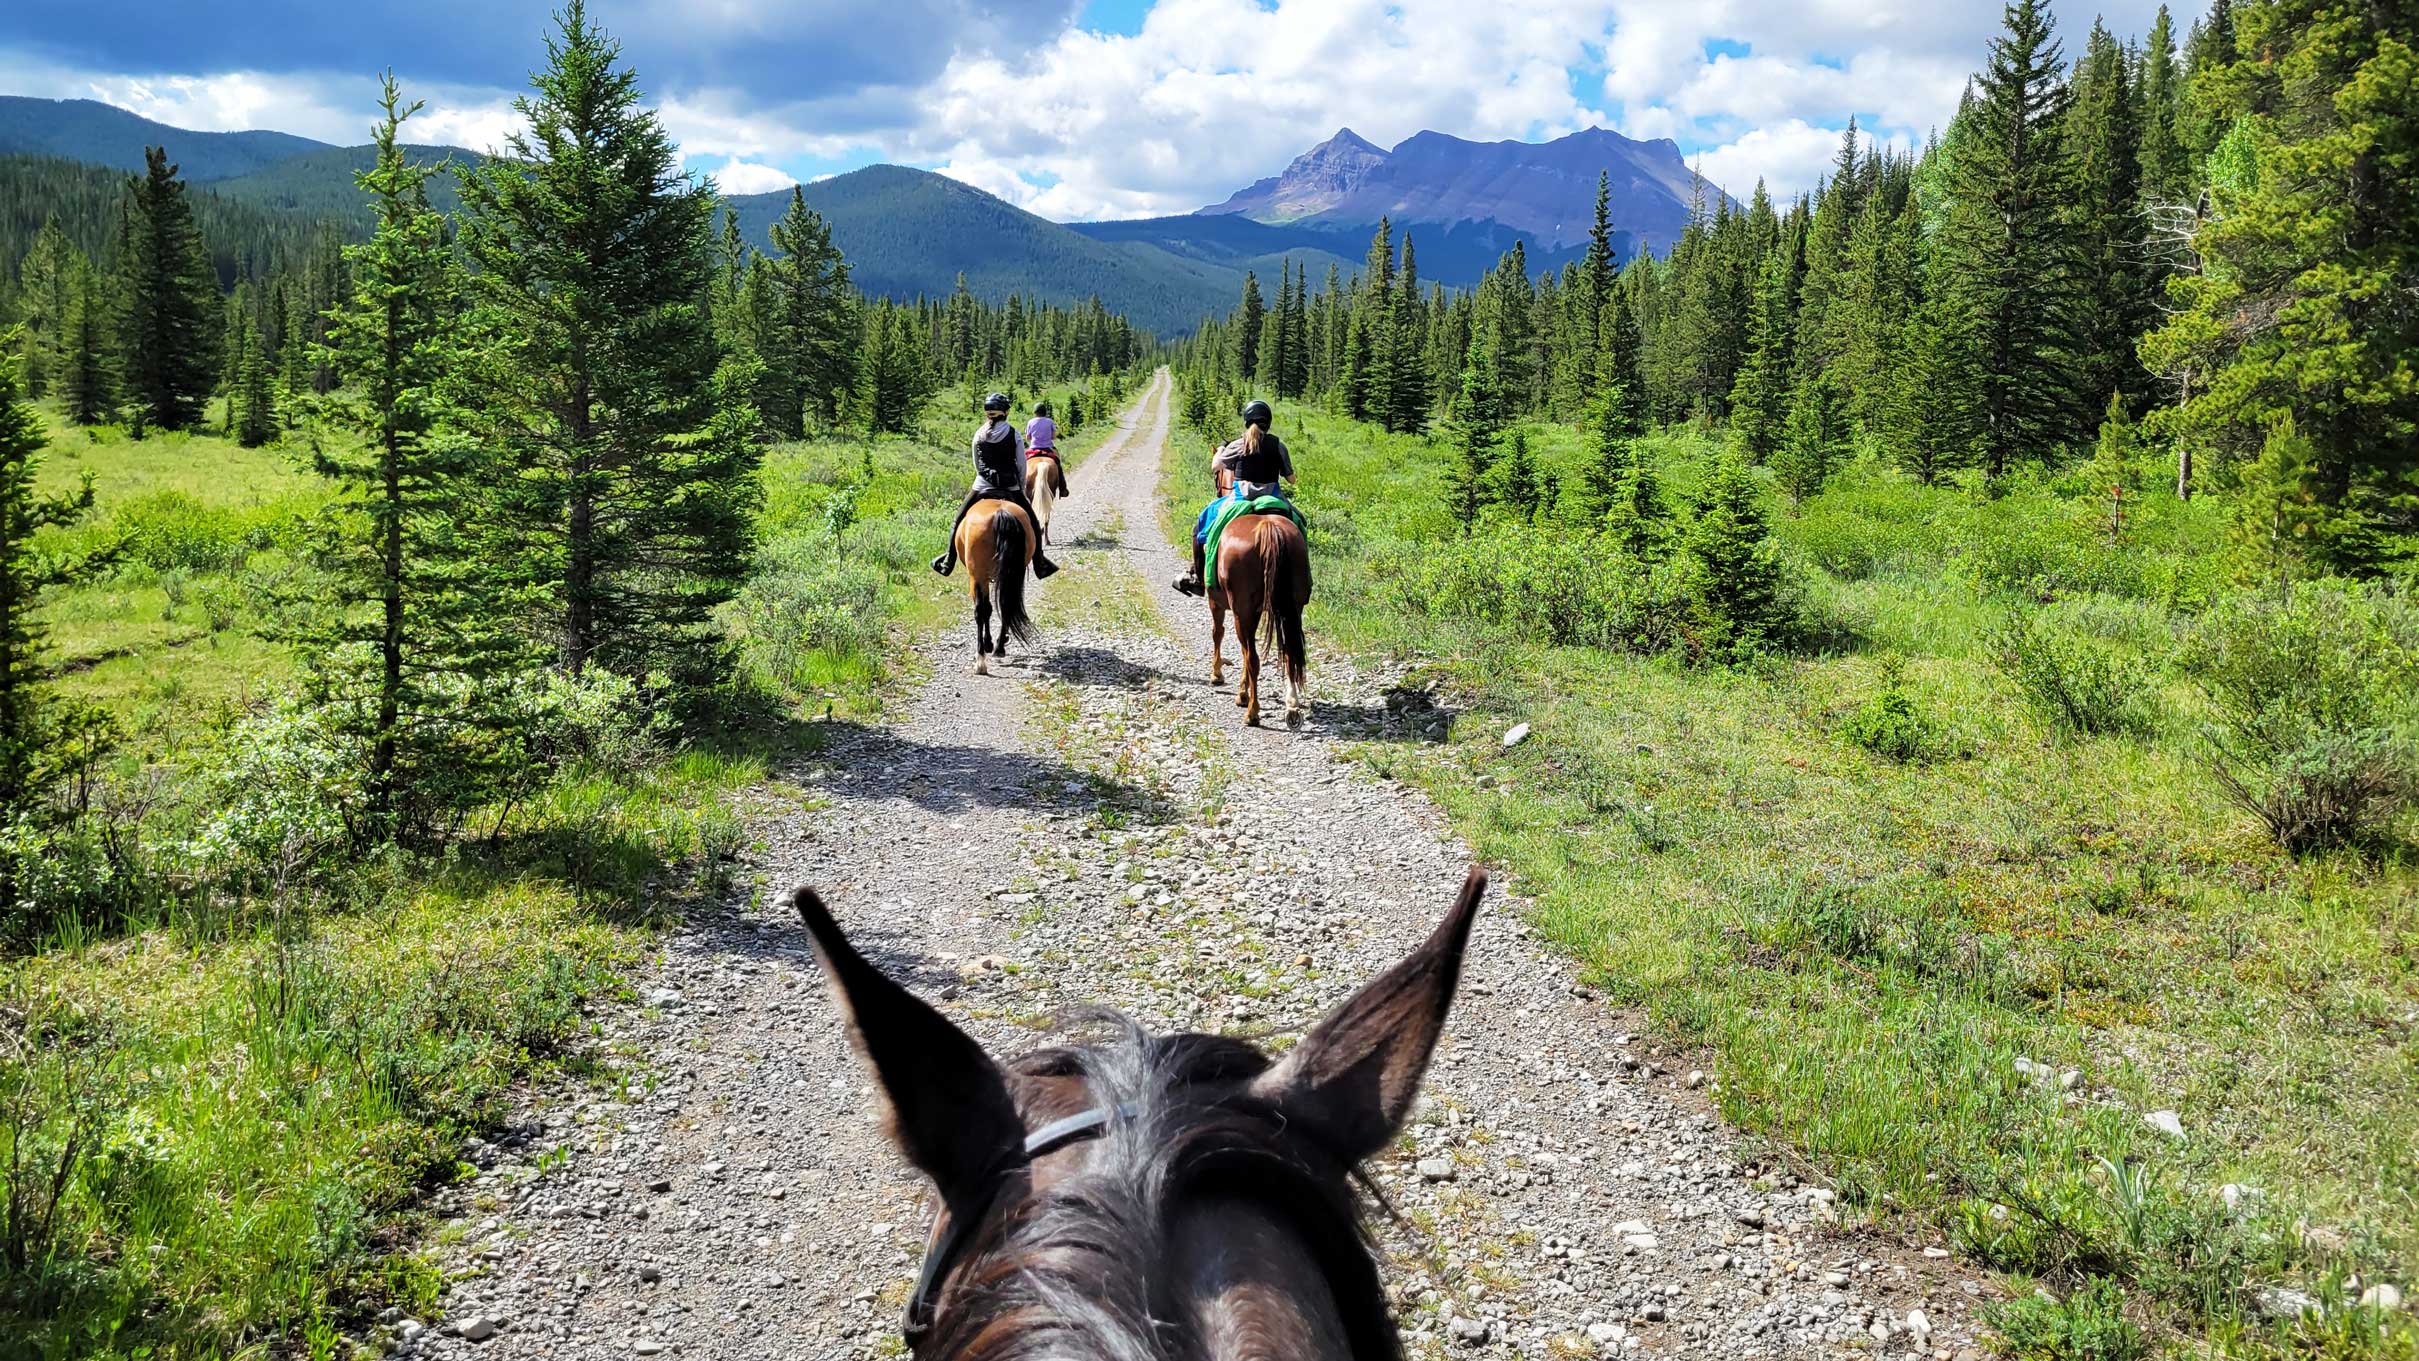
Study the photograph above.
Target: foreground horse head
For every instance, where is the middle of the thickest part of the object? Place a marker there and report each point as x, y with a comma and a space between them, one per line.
997, 543
1153, 1197
1264, 577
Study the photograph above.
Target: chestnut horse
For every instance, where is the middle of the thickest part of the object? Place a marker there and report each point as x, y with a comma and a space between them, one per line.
996, 542
1156, 1196
1264, 577
1045, 482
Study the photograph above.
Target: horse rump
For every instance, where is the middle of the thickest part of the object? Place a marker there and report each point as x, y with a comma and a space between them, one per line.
1009, 556
1284, 590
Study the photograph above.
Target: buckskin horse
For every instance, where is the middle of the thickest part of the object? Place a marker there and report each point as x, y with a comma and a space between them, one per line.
996, 542
1156, 1196
1045, 482
1264, 577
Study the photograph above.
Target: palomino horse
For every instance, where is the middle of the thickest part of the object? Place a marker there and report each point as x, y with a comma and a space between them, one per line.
1045, 482
996, 542
1264, 577
1156, 1196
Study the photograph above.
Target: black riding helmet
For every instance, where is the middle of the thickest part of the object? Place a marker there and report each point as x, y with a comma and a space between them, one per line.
997, 401
1256, 412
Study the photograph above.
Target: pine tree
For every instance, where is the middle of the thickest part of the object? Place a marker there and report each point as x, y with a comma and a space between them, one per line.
1734, 568
24, 571
2013, 246
1934, 423
1611, 455
1472, 427
254, 398
88, 374
605, 384
2162, 163
1250, 320
1816, 438
1523, 489
2208, 107
892, 380
1409, 393
48, 279
2116, 305
1621, 376
809, 322
421, 677
2302, 307
169, 345
1759, 402
1638, 522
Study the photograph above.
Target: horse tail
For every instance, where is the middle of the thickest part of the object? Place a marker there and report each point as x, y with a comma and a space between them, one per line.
1271, 562
1286, 610
1008, 573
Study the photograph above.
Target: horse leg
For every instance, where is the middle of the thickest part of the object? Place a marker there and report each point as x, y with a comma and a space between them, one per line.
1217, 642
1247, 637
982, 628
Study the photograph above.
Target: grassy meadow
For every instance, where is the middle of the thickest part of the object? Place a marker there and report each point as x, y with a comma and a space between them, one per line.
251, 1080
1945, 953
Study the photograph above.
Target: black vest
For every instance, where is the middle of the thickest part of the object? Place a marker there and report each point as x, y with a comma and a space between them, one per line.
995, 459
1264, 466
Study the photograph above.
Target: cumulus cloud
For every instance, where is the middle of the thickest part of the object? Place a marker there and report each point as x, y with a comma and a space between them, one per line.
743, 177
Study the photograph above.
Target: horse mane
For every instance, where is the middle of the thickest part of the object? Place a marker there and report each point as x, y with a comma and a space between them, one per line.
1067, 1274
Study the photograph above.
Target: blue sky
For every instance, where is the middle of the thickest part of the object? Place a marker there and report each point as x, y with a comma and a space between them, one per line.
1074, 108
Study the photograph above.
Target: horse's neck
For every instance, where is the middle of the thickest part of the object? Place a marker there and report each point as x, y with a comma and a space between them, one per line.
1251, 1289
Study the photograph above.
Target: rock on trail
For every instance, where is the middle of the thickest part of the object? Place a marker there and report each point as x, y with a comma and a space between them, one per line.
1093, 824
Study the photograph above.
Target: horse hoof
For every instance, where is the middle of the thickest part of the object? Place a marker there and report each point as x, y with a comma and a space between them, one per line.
982, 666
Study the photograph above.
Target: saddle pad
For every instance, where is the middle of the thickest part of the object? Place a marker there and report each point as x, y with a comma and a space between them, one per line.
1235, 510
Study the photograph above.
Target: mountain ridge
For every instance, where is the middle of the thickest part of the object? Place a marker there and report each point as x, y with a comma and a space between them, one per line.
1542, 190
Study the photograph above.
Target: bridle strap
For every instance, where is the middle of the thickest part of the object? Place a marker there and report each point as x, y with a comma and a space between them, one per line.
1047, 1140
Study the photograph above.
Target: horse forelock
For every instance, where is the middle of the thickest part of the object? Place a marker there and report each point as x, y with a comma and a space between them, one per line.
1080, 1269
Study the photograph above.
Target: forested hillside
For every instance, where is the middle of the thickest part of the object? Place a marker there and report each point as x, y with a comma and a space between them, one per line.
1946, 646
101, 134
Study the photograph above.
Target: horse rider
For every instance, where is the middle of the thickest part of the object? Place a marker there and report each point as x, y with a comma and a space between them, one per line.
999, 475
1259, 466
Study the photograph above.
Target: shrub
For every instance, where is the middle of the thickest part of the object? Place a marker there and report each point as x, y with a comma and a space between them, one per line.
2088, 1325
1544, 587
1892, 723
2078, 685
2313, 697
804, 599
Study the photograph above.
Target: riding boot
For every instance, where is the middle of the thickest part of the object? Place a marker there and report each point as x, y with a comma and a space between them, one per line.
1043, 568
1191, 583
948, 561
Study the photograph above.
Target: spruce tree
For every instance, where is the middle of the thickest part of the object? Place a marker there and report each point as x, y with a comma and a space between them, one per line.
87, 377
892, 380
1735, 579
423, 638
2114, 284
2315, 235
1816, 438
1472, 424
2163, 164
1610, 456
2013, 244
605, 384
48, 279
255, 394
1621, 374
1638, 522
1523, 489
1250, 319
1934, 423
169, 343
1759, 402
24, 571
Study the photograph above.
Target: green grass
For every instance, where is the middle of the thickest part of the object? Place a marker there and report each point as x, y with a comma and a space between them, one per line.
1868, 945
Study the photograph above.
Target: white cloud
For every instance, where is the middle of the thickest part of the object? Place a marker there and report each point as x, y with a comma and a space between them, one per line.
743, 177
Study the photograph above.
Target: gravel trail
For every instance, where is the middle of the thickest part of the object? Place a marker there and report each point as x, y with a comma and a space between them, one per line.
1093, 824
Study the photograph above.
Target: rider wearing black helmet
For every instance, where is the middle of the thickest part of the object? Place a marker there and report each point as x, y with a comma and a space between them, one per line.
1260, 466
999, 475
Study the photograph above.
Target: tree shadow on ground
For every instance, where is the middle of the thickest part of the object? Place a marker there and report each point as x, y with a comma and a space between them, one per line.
1083, 665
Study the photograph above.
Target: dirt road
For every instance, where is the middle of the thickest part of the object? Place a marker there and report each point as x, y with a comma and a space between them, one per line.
1094, 825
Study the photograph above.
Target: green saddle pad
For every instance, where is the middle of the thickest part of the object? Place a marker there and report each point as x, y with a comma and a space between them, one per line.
1260, 505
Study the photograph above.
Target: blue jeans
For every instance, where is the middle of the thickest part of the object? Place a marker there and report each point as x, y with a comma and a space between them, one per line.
1208, 513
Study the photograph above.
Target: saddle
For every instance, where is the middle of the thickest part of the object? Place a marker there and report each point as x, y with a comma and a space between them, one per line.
1272, 503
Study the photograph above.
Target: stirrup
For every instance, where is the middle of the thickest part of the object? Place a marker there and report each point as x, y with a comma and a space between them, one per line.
1190, 586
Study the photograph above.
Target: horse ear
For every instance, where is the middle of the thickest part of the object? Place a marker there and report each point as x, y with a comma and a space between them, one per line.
1352, 1080
950, 1111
